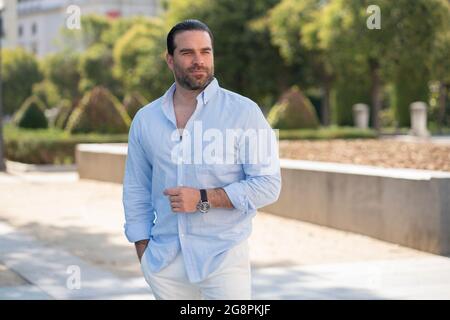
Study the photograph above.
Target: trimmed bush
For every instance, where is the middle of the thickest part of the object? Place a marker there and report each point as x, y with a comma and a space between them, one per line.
133, 102
293, 111
99, 111
65, 108
31, 114
47, 92
49, 146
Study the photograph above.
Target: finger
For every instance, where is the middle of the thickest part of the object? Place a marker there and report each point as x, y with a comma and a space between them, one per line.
175, 198
177, 208
171, 192
175, 205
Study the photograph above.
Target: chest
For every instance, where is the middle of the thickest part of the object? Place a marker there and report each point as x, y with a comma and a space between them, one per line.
182, 115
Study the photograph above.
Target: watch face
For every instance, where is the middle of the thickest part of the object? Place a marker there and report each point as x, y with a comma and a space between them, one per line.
204, 207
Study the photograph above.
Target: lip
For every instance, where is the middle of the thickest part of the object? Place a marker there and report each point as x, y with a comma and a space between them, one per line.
198, 72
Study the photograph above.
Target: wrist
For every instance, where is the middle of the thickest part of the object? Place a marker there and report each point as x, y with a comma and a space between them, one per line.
203, 205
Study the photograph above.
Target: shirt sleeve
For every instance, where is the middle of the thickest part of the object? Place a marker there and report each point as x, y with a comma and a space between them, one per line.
258, 153
137, 188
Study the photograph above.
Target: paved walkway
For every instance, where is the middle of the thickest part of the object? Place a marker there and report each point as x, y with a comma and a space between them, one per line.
54, 225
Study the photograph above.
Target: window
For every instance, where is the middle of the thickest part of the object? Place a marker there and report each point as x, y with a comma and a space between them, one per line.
34, 28
20, 31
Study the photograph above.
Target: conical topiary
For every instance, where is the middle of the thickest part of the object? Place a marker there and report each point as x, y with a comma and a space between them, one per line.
133, 102
293, 111
64, 109
31, 114
99, 111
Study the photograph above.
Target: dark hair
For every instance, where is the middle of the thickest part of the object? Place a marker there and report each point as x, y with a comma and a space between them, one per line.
190, 24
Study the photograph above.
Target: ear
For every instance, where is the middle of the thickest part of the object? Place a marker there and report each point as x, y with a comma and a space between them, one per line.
169, 60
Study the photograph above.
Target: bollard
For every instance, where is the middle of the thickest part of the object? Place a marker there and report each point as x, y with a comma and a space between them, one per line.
361, 115
418, 111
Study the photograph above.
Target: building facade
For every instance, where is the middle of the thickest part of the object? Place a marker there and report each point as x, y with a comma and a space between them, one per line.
36, 24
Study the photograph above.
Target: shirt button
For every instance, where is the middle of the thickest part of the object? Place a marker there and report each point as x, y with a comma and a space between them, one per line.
182, 234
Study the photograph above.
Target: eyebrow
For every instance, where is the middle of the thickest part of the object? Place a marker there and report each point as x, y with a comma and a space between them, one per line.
191, 50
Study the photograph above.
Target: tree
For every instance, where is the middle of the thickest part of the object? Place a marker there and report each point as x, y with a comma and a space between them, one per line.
293, 30
415, 25
20, 71
440, 64
93, 27
139, 60
398, 51
62, 70
245, 60
352, 51
95, 68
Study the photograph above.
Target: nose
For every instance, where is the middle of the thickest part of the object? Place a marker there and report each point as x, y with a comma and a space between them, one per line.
198, 59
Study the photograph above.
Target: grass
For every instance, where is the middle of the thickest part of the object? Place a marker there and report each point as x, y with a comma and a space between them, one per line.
53, 134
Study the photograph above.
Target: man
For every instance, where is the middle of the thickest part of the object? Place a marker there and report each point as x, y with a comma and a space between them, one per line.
189, 206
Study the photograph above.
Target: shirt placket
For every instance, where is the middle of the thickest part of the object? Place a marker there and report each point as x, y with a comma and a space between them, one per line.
182, 217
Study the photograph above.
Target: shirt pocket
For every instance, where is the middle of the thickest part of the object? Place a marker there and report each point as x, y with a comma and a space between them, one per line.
217, 175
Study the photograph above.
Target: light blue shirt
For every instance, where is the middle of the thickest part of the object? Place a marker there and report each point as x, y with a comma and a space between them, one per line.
159, 158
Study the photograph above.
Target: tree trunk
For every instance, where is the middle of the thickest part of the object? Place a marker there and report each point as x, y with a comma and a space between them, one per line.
442, 103
375, 93
325, 105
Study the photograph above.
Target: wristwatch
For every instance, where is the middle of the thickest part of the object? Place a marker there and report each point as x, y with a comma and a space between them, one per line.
203, 205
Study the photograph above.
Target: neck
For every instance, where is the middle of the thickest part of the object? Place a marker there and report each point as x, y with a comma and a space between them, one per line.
186, 97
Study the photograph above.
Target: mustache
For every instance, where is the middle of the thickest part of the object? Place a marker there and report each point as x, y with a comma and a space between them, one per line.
198, 69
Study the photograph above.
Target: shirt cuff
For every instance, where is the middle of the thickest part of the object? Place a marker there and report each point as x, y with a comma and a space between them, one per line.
138, 231
237, 196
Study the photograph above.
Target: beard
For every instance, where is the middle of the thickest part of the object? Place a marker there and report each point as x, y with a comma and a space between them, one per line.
189, 81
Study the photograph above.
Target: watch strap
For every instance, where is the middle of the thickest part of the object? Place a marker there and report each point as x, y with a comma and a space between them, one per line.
203, 195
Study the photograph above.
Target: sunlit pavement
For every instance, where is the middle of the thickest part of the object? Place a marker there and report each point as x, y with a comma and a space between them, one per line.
52, 271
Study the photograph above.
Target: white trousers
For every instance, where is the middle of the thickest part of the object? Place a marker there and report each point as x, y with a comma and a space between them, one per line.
231, 281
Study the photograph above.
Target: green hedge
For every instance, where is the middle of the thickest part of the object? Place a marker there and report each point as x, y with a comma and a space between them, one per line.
332, 132
49, 146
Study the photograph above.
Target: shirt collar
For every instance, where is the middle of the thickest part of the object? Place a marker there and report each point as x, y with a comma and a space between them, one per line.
210, 90
206, 95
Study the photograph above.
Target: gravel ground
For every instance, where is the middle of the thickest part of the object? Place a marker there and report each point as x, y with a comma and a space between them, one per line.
383, 153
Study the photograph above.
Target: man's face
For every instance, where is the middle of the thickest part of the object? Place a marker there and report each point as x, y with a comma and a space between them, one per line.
192, 62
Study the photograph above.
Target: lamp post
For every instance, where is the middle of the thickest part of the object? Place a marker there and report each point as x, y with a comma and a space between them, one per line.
2, 161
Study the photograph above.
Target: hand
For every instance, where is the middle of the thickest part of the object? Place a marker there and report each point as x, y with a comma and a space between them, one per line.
141, 245
183, 199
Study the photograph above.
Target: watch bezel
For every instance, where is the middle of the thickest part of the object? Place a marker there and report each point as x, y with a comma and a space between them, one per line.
203, 207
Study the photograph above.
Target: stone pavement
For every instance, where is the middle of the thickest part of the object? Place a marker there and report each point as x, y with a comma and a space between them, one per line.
53, 226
